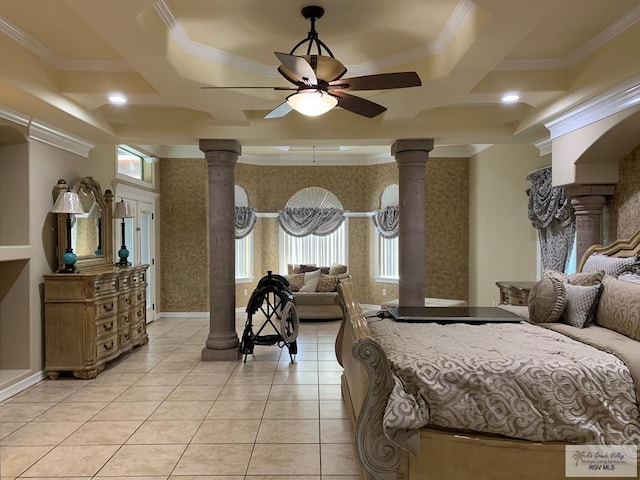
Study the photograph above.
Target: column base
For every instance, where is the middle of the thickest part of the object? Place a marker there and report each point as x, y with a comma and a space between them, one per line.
209, 354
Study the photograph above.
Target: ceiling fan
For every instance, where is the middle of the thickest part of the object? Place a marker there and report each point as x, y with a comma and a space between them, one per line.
318, 81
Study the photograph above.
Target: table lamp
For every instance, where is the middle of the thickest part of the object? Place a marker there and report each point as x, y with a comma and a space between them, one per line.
69, 203
123, 211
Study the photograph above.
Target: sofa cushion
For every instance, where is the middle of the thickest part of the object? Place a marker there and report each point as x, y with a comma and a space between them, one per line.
337, 269
613, 266
296, 281
619, 307
315, 298
547, 300
311, 280
582, 278
581, 305
327, 283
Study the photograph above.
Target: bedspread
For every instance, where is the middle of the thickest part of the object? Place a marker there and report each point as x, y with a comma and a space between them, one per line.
517, 380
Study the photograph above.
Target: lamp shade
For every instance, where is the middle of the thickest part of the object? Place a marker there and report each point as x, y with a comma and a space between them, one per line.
67, 202
312, 102
123, 210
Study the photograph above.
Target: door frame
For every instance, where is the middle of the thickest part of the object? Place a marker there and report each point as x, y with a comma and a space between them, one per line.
136, 194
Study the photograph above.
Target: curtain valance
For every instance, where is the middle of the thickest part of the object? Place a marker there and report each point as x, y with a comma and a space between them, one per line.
387, 221
552, 214
303, 221
245, 220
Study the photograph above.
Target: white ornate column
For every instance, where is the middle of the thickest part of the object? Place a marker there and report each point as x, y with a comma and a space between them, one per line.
222, 342
411, 156
587, 202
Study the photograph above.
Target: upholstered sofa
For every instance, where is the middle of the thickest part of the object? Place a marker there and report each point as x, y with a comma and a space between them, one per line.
315, 290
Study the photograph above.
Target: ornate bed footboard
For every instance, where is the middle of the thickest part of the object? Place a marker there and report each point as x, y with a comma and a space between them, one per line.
366, 386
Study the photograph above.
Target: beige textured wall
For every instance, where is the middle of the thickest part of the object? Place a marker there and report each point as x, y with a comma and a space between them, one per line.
183, 225
502, 240
625, 205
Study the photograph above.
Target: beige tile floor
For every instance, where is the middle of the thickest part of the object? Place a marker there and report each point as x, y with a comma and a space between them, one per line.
159, 412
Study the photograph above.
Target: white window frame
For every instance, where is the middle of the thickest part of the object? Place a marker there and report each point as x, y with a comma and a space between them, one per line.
386, 257
244, 259
148, 164
337, 254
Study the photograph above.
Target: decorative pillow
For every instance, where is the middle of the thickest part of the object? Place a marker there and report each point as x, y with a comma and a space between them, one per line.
311, 280
308, 268
296, 281
327, 283
337, 269
619, 307
611, 265
584, 278
546, 300
293, 268
630, 277
582, 304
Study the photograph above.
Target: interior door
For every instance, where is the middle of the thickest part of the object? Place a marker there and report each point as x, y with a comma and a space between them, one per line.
146, 248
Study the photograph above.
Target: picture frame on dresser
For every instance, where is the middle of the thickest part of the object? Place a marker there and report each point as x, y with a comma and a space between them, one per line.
98, 313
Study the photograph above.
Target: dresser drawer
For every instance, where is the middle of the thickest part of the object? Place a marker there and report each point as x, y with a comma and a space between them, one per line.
106, 307
124, 340
124, 283
107, 347
106, 326
124, 301
139, 296
138, 330
102, 287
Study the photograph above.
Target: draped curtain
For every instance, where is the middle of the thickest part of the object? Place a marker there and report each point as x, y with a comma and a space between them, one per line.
387, 221
245, 220
552, 214
303, 221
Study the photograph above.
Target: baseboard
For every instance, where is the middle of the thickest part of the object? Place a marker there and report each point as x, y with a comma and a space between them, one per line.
21, 385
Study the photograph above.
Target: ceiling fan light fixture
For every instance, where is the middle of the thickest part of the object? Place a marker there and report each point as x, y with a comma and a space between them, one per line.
312, 102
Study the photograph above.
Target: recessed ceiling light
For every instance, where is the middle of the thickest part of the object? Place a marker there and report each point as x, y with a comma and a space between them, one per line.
510, 97
117, 99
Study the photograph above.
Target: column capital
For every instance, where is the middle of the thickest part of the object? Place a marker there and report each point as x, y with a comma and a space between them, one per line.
220, 145
571, 191
412, 144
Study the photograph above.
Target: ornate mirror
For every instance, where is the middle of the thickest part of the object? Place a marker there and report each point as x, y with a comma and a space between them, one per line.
91, 237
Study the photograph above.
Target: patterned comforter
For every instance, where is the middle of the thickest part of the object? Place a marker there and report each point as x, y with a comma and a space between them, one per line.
517, 380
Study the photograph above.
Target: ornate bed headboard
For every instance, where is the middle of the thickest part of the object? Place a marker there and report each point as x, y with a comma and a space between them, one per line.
620, 248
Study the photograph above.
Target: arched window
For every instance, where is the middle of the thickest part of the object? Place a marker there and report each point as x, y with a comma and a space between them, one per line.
386, 246
320, 249
244, 246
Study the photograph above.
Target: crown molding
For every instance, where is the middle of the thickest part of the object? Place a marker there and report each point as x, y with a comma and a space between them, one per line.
544, 146
609, 103
13, 116
53, 58
462, 11
206, 52
583, 51
52, 136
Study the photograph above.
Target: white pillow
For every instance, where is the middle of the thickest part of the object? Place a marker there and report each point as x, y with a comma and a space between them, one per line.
311, 280
630, 277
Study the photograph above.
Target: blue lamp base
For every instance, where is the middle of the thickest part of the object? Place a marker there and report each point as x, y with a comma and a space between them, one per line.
123, 253
69, 261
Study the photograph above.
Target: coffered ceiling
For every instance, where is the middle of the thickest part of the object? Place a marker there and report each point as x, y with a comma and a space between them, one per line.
61, 60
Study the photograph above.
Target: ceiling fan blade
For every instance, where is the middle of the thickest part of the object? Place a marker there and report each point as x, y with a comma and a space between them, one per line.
382, 81
296, 69
358, 105
231, 87
280, 111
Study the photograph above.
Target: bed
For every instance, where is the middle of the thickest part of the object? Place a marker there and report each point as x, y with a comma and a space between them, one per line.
401, 432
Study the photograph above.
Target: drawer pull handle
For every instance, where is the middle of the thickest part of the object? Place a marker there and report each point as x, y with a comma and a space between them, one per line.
108, 308
113, 285
108, 347
108, 327
126, 336
139, 313
140, 328
139, 296
127, 301
97, 288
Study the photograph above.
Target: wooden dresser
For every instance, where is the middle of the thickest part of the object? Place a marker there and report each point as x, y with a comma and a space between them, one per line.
92, 317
